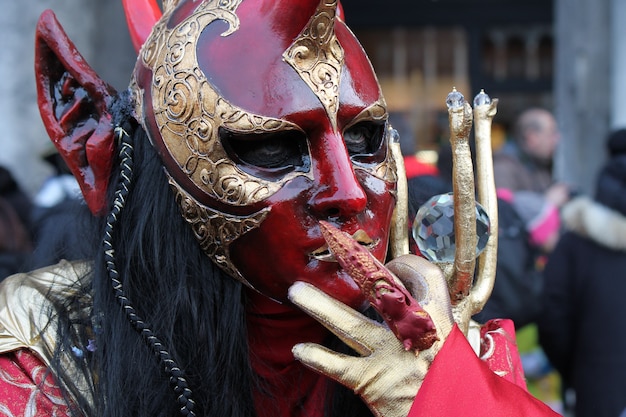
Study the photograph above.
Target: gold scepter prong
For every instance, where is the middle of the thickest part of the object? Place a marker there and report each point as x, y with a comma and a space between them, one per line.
399, 238
469, 293
469, 286
484, 111
460, 118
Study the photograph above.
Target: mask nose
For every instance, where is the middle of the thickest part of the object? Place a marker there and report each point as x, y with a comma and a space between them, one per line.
338, 192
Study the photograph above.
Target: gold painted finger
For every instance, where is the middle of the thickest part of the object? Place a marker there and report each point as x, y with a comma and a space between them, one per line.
353, 328
340, 367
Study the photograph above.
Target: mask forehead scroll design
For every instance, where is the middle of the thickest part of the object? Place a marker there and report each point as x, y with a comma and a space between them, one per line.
317, 57
189, 111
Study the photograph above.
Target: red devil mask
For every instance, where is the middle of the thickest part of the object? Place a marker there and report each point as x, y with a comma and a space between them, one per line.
268, 117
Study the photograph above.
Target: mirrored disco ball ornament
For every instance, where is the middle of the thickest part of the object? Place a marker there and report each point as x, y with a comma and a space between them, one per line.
433, 228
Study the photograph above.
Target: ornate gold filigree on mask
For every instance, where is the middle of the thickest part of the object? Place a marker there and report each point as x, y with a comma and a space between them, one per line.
189, 111
386, 170
317, 57
214, 230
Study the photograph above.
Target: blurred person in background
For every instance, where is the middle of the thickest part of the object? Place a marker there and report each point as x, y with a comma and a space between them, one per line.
55, 228
528, 232
525, 163
15, 225
582, 327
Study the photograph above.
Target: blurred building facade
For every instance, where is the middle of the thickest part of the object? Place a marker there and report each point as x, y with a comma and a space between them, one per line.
421, 49
564, 55
567, 56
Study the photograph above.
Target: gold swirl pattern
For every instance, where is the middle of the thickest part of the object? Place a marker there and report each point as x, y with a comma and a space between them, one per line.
214, 230
387, 171
190, 112
317, 57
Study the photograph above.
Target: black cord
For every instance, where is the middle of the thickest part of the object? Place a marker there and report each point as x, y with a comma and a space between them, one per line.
176, 375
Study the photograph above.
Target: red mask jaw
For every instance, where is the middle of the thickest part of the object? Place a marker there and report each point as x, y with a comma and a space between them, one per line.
288, 245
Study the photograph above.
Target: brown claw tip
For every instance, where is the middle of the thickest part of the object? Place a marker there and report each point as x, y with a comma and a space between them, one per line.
426, 341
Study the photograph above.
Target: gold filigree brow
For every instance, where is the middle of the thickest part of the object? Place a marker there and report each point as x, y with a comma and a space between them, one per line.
317, 57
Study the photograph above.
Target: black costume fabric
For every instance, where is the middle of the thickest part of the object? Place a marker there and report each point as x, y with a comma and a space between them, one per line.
582, 327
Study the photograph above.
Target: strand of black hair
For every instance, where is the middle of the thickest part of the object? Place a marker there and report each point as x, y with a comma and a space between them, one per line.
176, 375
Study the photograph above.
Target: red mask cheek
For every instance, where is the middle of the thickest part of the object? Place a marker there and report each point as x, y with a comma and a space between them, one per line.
277, 254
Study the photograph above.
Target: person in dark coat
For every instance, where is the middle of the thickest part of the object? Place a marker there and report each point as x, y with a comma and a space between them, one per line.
525, 162
583, 328
528, 230
15, 225
56, 228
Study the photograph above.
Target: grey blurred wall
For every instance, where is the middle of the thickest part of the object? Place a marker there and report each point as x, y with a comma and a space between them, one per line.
589, 85
582, 88
99, 31
588, 94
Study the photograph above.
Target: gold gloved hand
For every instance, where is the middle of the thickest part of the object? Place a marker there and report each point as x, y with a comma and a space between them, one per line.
386, 375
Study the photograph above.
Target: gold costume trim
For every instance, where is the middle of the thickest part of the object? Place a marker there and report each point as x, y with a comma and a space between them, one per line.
28, 318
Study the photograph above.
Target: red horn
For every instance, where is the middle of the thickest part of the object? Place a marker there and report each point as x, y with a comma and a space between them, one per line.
340, 14
141, 16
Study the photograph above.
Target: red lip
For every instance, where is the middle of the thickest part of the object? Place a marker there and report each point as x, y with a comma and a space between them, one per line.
323, 253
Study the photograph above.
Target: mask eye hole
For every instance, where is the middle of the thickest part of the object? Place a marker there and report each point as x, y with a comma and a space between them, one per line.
365, 140
269, 156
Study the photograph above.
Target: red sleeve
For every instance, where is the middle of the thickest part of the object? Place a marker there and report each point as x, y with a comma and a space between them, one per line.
27, 388
460, 384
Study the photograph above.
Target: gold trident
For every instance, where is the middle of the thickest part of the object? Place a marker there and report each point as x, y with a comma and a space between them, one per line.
469, 295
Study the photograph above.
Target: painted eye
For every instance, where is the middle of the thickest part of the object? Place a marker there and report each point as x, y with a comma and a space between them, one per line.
267, 155
364, 140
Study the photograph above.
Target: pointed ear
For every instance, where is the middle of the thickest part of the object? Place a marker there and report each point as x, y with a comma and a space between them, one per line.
73, 103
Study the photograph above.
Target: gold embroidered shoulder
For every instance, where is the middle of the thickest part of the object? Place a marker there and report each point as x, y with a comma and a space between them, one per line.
28, 312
